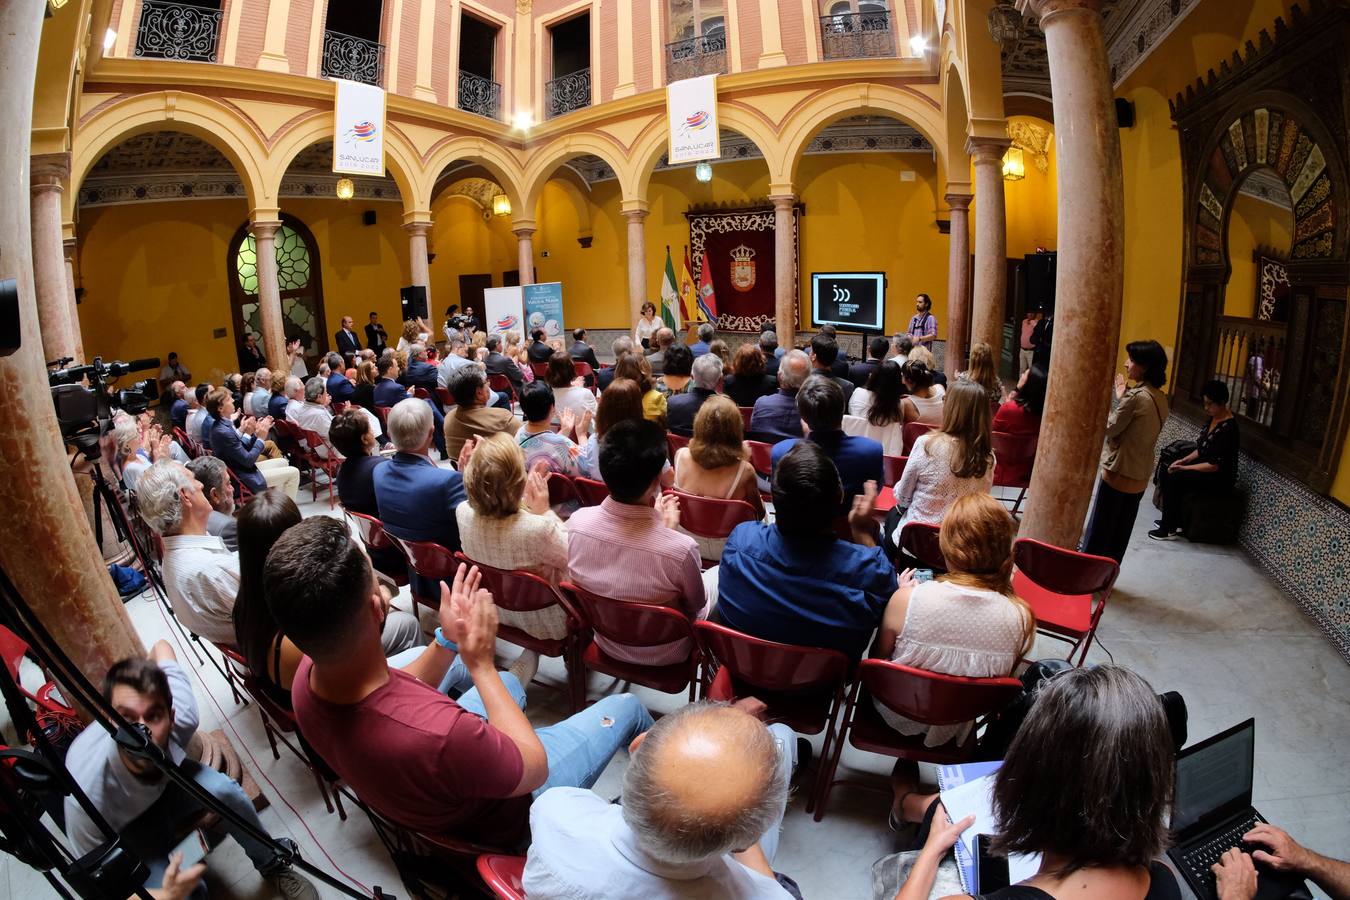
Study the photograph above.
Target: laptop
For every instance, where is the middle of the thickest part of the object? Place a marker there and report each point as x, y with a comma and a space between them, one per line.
1213, 810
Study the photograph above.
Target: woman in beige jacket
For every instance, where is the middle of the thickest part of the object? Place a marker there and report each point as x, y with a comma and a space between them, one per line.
1127, 459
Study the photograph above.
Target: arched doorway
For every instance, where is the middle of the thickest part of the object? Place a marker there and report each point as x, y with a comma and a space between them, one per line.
299, 281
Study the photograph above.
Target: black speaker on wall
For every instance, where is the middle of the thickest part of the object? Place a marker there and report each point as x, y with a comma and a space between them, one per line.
1039, 281
368, 217
1124, 113
414, 300
11, 336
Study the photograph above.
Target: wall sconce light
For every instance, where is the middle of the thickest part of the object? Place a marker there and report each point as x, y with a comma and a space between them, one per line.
346, 190
1014, 168
703, 172
501, 205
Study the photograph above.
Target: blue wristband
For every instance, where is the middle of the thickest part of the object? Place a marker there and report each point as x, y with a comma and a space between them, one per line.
444, 641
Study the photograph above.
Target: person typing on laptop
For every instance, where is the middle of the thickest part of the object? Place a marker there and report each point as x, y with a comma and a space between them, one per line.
1236, 873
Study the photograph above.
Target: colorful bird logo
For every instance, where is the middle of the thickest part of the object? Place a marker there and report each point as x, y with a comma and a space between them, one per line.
697, 121
363, 132
506, 323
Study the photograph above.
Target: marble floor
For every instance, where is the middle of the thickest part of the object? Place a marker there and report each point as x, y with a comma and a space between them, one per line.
1195, 619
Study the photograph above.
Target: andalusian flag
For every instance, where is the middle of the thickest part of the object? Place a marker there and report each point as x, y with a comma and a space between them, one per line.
707, 300
670, 296
688, 302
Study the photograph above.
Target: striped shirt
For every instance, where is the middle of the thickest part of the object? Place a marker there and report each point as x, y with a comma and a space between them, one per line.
922, 325
625, 552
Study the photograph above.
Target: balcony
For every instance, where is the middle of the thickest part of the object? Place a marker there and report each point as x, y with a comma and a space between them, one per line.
695, 56
567, 93
178, 31
857, 36
480, 96
352, 58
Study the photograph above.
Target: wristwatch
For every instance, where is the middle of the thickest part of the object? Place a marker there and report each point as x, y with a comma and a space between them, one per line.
444, 641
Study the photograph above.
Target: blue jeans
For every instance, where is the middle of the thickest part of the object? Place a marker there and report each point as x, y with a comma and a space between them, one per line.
151, 835
456, 677
578, 748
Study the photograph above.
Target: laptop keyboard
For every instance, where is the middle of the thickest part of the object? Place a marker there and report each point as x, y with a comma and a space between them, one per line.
1207, 854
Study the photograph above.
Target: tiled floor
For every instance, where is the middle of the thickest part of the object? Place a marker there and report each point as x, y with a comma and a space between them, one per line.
1200, 620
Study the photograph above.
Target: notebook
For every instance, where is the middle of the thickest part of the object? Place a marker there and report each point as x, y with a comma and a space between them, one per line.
968, 789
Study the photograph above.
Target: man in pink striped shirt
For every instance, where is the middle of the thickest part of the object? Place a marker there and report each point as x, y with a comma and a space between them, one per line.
627, 548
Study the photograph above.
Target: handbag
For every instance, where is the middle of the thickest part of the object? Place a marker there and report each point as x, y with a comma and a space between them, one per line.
1174, 451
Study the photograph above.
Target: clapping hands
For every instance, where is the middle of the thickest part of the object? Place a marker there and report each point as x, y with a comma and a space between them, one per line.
535, 498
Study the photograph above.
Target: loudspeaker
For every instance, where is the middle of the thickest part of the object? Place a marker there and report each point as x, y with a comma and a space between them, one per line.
10, 335
1039, 281
1124, 113
368, 217
414, 300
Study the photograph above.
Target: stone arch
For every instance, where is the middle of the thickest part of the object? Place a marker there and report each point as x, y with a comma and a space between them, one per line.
954, 110
545, 161
1274, 132
837, 103
654, 140
504, 167
400, 159
222, 126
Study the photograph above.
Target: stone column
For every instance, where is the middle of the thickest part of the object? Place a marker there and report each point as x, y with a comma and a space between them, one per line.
958, 283
525, 252
785, 281
991, 243
1090, 271
49, 258
418, 229
48, 548
637, 257
76, 333
273, 338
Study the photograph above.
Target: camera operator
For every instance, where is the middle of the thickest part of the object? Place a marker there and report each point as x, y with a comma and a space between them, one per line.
136, 798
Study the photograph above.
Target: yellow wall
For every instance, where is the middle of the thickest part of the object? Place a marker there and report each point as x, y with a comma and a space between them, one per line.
1031, 203
1252, 223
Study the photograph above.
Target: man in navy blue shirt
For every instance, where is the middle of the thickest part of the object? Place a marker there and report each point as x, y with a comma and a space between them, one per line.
705, 335
776, 415
821, 405
794, 581
340, 390
178, 412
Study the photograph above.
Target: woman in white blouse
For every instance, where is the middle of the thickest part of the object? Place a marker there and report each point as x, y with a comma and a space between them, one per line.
946, 464
968, 622
647, 324
568, 390
925, 400
878, 410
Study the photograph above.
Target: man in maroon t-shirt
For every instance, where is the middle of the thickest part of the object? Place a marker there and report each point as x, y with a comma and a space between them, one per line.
417, 757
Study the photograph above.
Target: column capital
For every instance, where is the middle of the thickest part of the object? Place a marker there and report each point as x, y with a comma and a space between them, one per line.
783, 201
987, 150
781, 189
416, 216
958, 201
523, 230
264, 214
53, 167
635, 205
265, 231
1046, 10
68, 245
417, 229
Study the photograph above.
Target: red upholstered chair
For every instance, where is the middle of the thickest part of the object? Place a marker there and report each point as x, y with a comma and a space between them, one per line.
242, 493
188, 444
803, 687
708, 517
503, 875
375, 538
383, 413
338, 407
431, 561
520, 591
892, 467
540, 369
433, 865
1067, 590
421, 393
585, 371
443, 395
746, 413
48, 699
927, 697
329, 463
590, 491
292, 443
561, 491
1013, 451
761, 457
638, 625
912, 432
502, 385
920, 540
674, 442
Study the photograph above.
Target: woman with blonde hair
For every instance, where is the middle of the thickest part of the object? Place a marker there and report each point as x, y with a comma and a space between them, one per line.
716, 463
414, 331
925, 356
507, 524
364, 395
983, 372
634, 366
946, 464
517, 354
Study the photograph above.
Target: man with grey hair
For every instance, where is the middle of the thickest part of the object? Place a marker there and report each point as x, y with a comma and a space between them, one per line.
901, 344
706, 333
315, 413
472, 416
769, 349
456, 356
216, 487
620, 347
705, 381
255, 404
777, 413
200, 574
420, 373
295, 396
340, 389
661, 341
703, 799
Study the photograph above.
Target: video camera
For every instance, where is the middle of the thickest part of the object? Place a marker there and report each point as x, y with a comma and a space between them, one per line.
85, 413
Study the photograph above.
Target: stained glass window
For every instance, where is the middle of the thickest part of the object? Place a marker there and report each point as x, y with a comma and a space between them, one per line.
292, 262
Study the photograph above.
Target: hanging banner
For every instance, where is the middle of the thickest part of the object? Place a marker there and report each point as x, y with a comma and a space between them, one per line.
544, 309
691, 113
358, 133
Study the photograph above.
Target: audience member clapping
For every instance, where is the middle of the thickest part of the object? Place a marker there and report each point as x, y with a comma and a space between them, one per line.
620, 402
569, 394
557, 450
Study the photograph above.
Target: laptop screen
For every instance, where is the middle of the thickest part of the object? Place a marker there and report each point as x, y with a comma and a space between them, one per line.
1214, 776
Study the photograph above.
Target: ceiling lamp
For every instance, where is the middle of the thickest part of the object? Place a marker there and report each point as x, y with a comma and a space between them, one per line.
1005, 24
501, 205
918, 44
523, 121
703, 172
346, 190
1014, 168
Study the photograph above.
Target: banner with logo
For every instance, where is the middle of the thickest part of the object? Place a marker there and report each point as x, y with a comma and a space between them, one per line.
691, 111
504, 310
544, 309
358, 134
732, 251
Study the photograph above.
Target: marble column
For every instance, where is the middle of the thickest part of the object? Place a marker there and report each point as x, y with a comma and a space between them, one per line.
525, 252
637, 260
785, 280
1089, 271
68, 245
417, 256
48, 548
990, 295
273, 338
958, 283
49, 170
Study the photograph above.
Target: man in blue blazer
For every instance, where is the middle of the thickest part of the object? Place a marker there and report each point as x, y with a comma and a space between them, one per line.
416, 497
240, 451
340, 390
390, 393
423, 374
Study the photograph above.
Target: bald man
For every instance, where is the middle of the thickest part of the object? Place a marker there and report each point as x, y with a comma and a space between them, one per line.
703, 800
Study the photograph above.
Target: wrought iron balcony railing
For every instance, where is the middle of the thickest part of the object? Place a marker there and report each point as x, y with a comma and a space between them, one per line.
567, 93
702, 55
857, 35
352, 58
177, 31
479, 95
